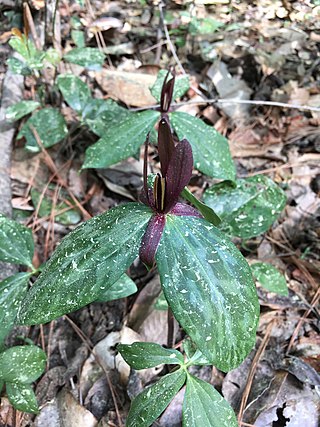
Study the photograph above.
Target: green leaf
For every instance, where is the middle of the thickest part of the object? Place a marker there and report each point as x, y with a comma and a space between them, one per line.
143, 355
71, 216
122, 140
208, 213
120, 289
20, 45
204, 26
52, 56
22, 397
78, 38
194, 355
75, 92
20, 109
100, 115
149, 404
181, 85
16, 242
249, 208
210, 149
18, 67
209, 287
49, 124
88, 57
88, 261
270, 278
203, 406
22, 364
12, 292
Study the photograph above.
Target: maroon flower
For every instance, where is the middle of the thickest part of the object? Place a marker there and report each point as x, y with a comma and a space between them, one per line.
167, 92
176, 162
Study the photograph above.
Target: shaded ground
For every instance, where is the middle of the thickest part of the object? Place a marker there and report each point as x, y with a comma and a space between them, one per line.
264, 52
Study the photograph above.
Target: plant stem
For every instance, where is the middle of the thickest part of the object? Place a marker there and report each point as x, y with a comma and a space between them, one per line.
170, 341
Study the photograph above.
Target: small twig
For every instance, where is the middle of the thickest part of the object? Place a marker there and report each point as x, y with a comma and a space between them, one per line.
314, 302
55, 171
252, 371
89, 345
233, 101
31, 25
166, 32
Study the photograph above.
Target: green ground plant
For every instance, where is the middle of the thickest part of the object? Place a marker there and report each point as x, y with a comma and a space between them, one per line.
206, 281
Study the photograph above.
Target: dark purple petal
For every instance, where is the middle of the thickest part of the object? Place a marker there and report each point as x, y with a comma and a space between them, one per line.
179, 172
151, 239
165, 144
182, 209
166, 93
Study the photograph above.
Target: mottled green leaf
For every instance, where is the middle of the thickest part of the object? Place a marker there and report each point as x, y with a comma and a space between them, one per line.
21, 45
181, 85
149, 404
204, 406
16, 242
78, 38
22, 397
71, 216
122, 140
52, 56
208, 213
20, 109
88, 261
249, 208
12, 292
143, 355
75, 92
270, 278
22, 364
204, 26
19, 67
120, 289
49, 124
88, 57
210, 149
194, 355
100, 115
209, 287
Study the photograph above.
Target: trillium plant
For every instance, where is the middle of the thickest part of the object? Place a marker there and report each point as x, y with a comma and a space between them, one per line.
206, 281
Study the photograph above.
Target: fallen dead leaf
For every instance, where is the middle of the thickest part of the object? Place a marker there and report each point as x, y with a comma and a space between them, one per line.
72, 414
130, 88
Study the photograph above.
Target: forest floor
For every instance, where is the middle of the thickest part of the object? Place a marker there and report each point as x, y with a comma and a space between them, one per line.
268, 52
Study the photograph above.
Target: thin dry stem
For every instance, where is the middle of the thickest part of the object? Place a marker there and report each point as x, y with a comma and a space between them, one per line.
252, 371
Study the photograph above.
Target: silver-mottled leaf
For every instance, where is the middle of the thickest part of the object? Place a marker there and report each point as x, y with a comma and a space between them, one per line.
122, 140
122, 288
209, 287
149, 404
22, 397
16, 242
143, 355
203, 406
87, 262
22, 364
210, 149
270, 278
247, 208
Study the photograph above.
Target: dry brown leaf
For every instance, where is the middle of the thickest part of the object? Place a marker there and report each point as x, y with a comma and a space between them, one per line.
72, 414
130, 88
